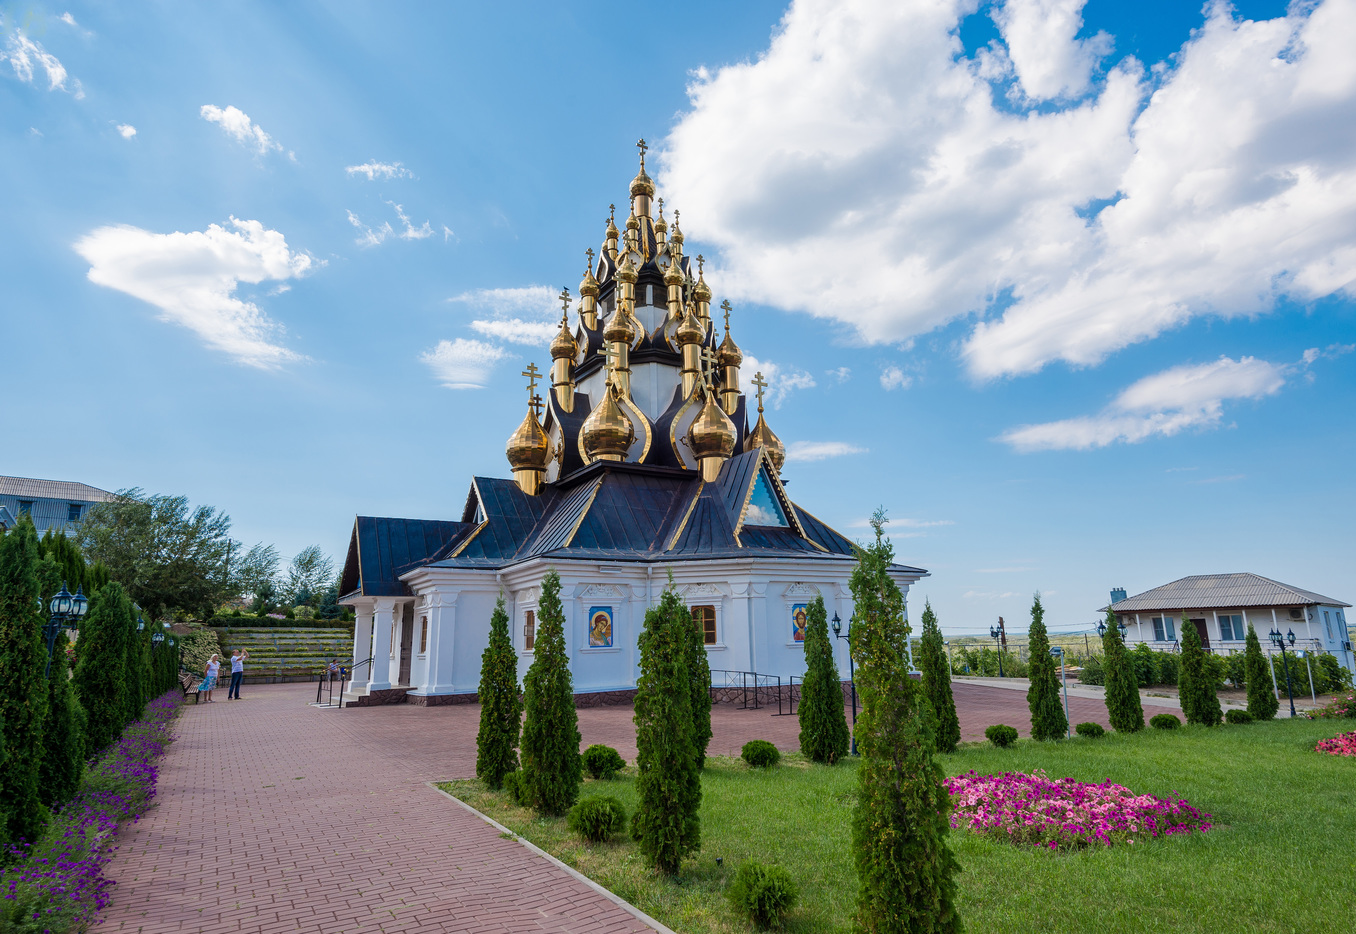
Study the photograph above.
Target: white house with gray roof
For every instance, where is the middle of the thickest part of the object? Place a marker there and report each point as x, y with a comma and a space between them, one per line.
1221, 607
51, 504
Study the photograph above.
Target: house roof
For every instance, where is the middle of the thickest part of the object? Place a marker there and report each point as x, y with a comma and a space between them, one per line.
68, 490
380, 550
1206, 591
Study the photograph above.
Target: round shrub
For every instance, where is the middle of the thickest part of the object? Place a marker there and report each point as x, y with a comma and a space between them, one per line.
602, 761
597, 817
760, 754
1090, 730
1237, 716
1164, 721
1001, 735
763, 894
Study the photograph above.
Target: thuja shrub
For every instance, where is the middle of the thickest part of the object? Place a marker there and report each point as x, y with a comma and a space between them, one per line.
1090, 730
763, 894
1164, 721
1001, 735
597, 817
500, 708
602, 761
760, 754
510, 786
1237, 716
550, 743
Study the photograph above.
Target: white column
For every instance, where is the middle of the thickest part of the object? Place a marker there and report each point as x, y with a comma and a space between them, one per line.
442, 620
362, 645
382, 615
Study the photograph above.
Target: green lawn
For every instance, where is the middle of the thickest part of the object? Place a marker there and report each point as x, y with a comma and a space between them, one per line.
1280, 858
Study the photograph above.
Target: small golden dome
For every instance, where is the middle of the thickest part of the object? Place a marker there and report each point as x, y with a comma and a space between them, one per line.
588, 285
674, 274
701, 291
642, 184
677, 236
661, 226
564, 346
632, 224
690, 331
528, 447
762, 437
728, 352
712, 433
612, 232
608, 431
621, 326
626, 272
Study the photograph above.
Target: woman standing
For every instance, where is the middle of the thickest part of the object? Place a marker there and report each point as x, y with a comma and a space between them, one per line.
209, 680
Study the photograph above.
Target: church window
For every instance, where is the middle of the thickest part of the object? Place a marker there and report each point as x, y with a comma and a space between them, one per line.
423, 634
394, 623
763, 507
705, 619
529, 631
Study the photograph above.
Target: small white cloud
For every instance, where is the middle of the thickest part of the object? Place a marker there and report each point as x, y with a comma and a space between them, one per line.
1162, 404
410, 232
892, 377
808, 451
127, 130
517, 331
781, 381
374, 170
463, 363
538, 301
69, 20
192, 278
236, 124
906, 523
841, 375
25, 55
372, 236
447, 233
990, 595
1048, 60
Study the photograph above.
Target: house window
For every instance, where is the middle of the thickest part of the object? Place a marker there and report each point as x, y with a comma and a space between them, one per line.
1327, 623
25, 507
704, 617
529, 631
73, 512
1163, 629
423, 634
1231, 627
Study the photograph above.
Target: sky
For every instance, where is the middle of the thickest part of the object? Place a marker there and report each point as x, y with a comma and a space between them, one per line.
1068, 288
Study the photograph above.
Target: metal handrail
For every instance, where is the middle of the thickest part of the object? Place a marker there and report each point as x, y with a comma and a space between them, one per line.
326, 680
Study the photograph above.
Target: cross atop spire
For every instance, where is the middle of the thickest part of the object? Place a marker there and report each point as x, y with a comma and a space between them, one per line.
661, 207
535, 404
613, 355
725, 306
565, 303
708, 372
643, 147
532, 374
761, 384
589, 254
612, 212
701, 260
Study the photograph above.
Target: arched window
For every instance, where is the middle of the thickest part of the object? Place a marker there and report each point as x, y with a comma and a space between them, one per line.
529, 631
423, 635
704, 617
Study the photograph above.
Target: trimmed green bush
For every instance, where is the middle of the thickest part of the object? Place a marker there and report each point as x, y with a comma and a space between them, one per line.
1123, 706
1196, 681
1047, 712
268, 622
1090, 730
936, 682
500, 707
597, 817
550, 751
1093, 671
101, 654
760, 754
823, 728
1001, 735
23, 688
602, 761
763, 894
1237, 716
1164, 721
510, 785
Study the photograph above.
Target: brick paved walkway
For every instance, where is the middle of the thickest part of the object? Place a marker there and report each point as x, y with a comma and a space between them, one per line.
274, 816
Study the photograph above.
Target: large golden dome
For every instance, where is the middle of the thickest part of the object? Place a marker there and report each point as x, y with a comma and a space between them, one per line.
528, 447
712, 433
608, 432
763, 437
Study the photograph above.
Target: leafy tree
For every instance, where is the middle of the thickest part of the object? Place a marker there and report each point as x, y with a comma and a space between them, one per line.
937, 681
1262, 704
308, 574
699, 680
551, 770
500, 707
63, 729
329, 603
1047, 713
265, 599
823, 728
255, 573
23, 690
1195, 687
101, 659
668, 786
1123, 705
905, 870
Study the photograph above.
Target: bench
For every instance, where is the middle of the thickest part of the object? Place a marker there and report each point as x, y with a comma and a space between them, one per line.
190, 685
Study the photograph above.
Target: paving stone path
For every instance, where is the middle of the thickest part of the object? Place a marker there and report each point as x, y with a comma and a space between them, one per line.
275, 816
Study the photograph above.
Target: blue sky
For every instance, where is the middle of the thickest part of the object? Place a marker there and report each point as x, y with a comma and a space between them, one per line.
1068, 289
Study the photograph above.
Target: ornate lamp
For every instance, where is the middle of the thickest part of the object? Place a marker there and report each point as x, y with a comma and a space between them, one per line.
1280, 640
61, 615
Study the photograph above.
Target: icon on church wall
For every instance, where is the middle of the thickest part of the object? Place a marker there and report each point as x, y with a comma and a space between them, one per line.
798, 622
600, 627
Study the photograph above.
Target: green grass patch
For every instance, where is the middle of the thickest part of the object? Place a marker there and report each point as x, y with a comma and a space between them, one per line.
1277, 860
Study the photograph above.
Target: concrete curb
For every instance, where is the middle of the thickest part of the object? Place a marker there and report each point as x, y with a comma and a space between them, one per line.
610, 896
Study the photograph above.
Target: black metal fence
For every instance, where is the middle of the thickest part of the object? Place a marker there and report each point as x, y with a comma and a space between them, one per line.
754, 691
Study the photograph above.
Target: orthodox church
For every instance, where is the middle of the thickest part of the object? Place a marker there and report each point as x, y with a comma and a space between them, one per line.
638, 465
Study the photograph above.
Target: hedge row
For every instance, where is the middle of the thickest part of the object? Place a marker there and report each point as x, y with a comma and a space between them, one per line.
268, 622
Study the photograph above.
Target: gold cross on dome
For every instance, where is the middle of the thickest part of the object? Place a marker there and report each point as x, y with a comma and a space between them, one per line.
701, 260
612, 213
532, 374
661, 207
709, 371
565, 304
761, 384
643, 147
725, 305
589, 254
613, 355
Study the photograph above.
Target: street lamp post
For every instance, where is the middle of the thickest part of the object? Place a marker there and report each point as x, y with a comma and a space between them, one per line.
1058, 652
997, 635
65, 610
852, 674
1280, 640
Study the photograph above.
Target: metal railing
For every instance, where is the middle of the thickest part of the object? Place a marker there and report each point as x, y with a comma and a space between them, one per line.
335, 672
756, 691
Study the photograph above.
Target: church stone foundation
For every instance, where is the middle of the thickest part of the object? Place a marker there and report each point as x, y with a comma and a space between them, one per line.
605, 698
440, 700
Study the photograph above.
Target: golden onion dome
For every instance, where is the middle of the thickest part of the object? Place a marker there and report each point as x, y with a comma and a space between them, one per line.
661, 226
621, 326
612, 232
728, 352
528, 448
690, 331
674, 274
564, 346
588, 285
701, 291
763, 437
608, 431
632, 225
642, 184
677, 236
712, 433
626, 272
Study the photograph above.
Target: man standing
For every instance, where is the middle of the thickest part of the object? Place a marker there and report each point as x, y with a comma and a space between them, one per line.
237, 673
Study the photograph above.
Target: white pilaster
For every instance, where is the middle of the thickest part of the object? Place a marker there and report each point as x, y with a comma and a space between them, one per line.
397, 640
383, 614
442, 635
362, 645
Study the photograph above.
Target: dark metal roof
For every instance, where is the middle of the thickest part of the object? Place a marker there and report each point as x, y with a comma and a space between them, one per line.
65, 490
1222, 591
380, 550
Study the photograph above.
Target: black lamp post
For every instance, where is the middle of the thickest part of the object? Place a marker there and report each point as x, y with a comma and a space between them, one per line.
1280, 640
65, 610
852, 674
997, 635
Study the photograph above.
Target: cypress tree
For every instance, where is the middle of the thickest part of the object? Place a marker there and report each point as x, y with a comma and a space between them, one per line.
937, 681
1123, 705
500, 707
101, 656
551, 767
668, 786
63, 729
1262, 704
23, 689
699, 680
1047, 712
134, 693
1195, 688
905, 870
823, 728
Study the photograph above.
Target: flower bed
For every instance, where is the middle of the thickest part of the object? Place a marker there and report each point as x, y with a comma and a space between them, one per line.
1342, 707
1343, 744
1061, 813
57, 884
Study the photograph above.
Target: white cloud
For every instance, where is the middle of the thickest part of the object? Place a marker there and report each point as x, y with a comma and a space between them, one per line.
808, 451
782, 381
127, 130
866, 170
236, 124
192, 278
462, 363
892, 377
524, 315
69, 20
906, 523
410, 232
25, 55
372, 236
1162, 404
518, 331
375, 169
842, 374
1049, 62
